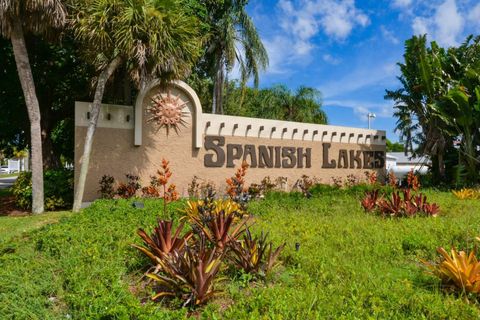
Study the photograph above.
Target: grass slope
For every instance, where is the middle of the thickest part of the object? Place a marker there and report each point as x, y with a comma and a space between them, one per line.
11, 227
349, 265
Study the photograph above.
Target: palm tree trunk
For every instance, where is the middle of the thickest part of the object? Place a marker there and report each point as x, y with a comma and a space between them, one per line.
217, 106
214, 97
441, 166
92, 126
220, 84
28, 87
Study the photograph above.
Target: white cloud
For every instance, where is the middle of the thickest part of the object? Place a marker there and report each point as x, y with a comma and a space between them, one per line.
338, 18
420, 26
388, 35
331, 59
448, 22
280, 54
361, 77
302, 20
402, 3
474, 16
362, 108
445, 26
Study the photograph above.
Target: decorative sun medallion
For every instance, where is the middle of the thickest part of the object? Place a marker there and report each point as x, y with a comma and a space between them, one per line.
167, 111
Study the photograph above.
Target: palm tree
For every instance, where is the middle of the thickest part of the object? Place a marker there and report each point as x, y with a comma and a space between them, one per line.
303, 105
234, 39
277, 102
422, 84
149, 37
37, 17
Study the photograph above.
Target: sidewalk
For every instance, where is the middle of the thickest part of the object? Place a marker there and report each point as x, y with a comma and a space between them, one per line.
7, 182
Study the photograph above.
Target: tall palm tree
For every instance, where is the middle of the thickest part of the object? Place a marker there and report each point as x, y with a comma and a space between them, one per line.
149, 37
234, 38
18, 17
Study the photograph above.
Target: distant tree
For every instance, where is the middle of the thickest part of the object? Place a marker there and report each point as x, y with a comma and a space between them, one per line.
61, 78
233, 40
278, 102
395, 146
150, 37
16, 19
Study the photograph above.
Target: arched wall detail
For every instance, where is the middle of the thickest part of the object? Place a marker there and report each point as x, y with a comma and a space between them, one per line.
197, 121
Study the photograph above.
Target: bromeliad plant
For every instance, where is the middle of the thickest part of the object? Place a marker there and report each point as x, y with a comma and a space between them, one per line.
371, 177
399, 204
159, 187
208, 208
413, 181
221, 229
187, 266
255, 255
392, 179
190, 274
236, 189
464, 194
163, 242
408, 206
458, 270
370, 201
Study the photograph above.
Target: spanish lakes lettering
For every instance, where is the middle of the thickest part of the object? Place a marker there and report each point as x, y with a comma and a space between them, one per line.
261, 156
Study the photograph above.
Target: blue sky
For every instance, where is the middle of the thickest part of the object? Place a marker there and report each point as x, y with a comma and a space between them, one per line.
348, 49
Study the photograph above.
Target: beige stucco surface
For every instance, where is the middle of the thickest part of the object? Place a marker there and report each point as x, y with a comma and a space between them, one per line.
114, 153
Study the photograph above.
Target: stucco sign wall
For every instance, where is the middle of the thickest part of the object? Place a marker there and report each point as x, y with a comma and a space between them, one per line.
167, 122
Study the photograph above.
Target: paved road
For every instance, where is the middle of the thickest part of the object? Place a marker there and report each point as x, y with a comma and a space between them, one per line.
7, 182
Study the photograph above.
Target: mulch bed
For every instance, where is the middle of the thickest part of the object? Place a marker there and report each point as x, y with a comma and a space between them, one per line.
9, 208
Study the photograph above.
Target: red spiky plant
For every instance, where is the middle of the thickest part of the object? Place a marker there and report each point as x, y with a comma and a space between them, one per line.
160, 188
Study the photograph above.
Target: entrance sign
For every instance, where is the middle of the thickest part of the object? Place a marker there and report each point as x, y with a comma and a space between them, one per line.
168, 122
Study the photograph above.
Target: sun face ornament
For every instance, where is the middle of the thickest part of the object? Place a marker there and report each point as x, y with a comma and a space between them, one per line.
167, 111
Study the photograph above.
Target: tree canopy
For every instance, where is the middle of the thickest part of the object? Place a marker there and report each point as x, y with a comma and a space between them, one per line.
395, 146
438, 104
277, 102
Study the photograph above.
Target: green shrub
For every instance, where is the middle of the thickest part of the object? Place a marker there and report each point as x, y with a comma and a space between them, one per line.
58, 189
22, 190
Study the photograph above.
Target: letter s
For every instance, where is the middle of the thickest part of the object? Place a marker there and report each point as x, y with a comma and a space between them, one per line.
216, 147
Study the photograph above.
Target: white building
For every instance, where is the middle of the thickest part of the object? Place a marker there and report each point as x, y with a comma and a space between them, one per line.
17, 165
401, 164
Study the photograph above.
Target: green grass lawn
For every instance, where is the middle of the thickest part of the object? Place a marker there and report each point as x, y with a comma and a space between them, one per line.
11, 227
8, 175
349, 265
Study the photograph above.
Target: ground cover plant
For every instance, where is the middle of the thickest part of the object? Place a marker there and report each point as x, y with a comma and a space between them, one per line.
187, 266
348, 264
